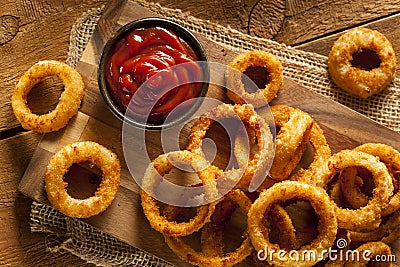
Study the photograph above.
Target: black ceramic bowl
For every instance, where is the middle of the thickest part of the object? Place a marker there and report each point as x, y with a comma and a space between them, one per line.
181, 32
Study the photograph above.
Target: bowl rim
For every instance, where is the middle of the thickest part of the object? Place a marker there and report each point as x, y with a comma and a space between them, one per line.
183, 33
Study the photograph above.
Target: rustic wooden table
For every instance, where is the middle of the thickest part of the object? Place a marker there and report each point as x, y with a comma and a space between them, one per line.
36, 30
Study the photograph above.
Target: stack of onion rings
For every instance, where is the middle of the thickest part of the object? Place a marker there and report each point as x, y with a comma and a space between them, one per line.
67, 106
202, 258
58, 166
246, 113
366, 223
367, 217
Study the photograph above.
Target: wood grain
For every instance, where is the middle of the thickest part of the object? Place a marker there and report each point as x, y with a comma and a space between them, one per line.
43, 33
343, 127
389, 26
18, 246
30, 31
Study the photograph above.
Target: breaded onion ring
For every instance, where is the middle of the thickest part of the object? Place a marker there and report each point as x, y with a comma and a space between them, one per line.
161, 166
285, 191
60, 163
236, 90
372, 250
67, 106
350, 185
391, 157
281, 221
353, 79
186, 253
243, 153
369, 216
295, 128
246, 113
387, 232
212, 243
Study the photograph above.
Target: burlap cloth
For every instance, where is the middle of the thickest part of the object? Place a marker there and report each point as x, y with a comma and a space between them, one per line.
308, 69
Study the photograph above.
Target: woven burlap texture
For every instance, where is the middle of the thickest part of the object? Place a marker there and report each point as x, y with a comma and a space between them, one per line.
308, 69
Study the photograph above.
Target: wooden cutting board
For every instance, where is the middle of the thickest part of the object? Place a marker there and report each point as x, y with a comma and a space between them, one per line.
124, 219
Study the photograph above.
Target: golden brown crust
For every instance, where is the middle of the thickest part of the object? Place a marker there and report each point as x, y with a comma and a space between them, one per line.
161, 166
59, 164
363, 83
285, 191
236, 90
67, 106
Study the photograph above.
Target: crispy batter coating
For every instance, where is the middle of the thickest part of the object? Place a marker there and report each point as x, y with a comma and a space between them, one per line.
206, 258
391, 157
236, 90
369, 216
284, 191
161, 166
352, 79
67, 106
60, 163
246, 113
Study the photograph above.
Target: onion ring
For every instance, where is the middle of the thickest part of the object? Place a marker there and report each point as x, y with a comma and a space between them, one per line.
374, 249
58, 166
161, 166
336, 194
212, 233
351, 190
390, 157
67, 106
284, 191
367, 217
246, 113
188, 254
244, 138
387, 232
352, 79
236, 88
295, 126
322, 152
280, 219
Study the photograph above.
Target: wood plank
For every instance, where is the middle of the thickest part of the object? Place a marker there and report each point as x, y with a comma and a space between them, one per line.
291, 22
343, 127
18, 245
30, 31
305, 20
43, 33
389, 26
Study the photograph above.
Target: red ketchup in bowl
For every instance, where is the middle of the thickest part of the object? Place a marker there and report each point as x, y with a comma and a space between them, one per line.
143, 69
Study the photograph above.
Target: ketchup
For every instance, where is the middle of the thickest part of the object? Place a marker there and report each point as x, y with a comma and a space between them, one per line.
147, 56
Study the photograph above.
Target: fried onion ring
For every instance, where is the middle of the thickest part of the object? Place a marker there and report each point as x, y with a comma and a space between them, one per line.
246, 113
391, 157
161, 166
367, 217
350, 185
188, 254
67, 106
284, 191
387, 232
60, 163
353, 79
295, 127
236, 88
282, 222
